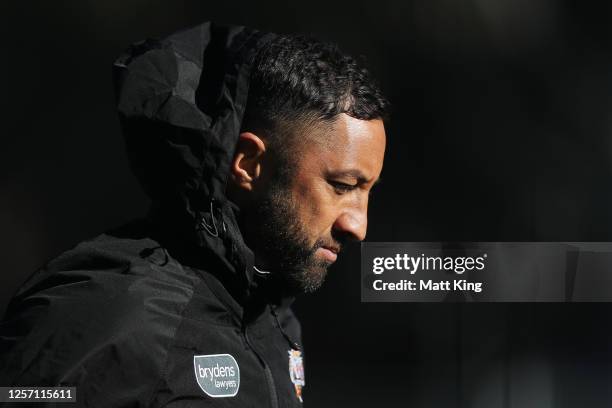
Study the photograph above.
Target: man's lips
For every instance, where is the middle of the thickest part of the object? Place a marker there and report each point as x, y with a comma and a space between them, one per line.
328, 252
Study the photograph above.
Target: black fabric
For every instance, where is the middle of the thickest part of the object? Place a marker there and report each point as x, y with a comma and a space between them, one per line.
122, 316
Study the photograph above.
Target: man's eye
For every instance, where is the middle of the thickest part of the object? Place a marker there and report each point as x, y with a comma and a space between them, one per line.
342, 188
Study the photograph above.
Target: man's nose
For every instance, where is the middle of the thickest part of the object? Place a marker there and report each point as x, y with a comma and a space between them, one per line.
352, 223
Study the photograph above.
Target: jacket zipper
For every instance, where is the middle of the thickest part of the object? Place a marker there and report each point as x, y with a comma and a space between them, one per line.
292, 343
268, 372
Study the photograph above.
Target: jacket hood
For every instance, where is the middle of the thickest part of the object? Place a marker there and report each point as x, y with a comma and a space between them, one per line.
181, 102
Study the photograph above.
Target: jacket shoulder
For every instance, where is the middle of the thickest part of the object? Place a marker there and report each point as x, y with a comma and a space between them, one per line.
109, 262
99, 316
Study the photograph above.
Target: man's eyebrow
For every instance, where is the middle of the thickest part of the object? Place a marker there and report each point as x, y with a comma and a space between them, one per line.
354, 173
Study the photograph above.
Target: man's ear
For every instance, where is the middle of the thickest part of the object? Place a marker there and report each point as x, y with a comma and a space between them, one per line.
247, 161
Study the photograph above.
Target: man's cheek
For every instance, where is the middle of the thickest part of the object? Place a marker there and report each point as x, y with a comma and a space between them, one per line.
310, 208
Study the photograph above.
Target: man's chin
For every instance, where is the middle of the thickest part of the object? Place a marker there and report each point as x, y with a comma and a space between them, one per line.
306, 280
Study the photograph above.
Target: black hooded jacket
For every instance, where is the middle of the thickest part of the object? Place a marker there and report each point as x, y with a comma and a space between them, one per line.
167, 311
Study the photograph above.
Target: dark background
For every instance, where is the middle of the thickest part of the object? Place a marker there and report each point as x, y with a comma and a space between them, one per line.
501, 132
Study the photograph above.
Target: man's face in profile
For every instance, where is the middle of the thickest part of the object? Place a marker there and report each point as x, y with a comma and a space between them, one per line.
308, 211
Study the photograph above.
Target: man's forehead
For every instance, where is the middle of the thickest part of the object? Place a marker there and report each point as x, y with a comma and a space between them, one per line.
345, 130
349, 147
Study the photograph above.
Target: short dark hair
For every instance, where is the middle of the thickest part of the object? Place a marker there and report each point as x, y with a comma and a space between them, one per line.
297, 80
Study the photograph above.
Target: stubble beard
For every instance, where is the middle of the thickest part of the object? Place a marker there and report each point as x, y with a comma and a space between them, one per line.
284, 243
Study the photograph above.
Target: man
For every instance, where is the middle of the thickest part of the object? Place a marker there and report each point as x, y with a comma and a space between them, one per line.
258, 152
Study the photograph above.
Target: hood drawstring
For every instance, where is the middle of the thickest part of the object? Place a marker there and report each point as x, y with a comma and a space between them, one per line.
261, 272
292, 343
211, 227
